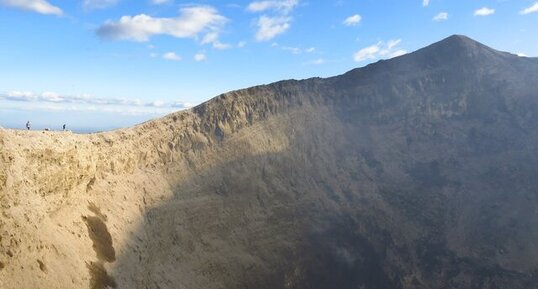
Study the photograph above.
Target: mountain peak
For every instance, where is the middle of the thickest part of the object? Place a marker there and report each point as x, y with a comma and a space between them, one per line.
455, 50
458, 41
459, 38
463, 46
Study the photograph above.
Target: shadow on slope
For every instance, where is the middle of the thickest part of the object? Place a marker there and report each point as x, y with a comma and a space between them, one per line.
348, 205
423, 179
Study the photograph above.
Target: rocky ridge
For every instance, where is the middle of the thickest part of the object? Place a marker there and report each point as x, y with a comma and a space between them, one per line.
414, 172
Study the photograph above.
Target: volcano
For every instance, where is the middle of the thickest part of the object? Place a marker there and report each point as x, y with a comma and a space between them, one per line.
414, 172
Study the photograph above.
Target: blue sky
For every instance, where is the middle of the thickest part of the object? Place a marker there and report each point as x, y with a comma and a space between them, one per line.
101, 64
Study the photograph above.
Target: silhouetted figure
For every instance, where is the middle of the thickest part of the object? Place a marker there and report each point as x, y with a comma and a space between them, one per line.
63, 127
28, 125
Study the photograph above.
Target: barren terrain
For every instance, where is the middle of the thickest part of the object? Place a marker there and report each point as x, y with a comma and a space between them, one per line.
415, 172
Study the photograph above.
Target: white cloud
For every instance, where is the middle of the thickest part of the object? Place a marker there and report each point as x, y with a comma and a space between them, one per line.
199, 57
392, 43
292, 49
27, 96
116, 110
370, 52
210, 37
213, 39
380, 50
531, 9
156, 103
82, 102
51, 97
443, 16
19, 96
39, 6
318, 61
396, 53
270, 27
159, 2
281, 5
99, 4
353, 20
425, 3
182, 104
171, 56
220, 45
484, 11
191, 22
241, 44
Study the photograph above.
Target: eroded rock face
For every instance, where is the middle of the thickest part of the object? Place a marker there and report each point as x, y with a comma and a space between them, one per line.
417, 172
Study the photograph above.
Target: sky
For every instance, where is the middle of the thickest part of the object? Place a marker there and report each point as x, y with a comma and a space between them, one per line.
103, 64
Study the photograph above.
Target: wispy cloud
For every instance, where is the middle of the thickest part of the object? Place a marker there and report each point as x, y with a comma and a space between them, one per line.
116, 110
425, 3
191, 22
318, 61
270, 26
172, 56
99, 4
159, 2
531, 9
86, 102
281, 5
213, 39
200, 57
443, 16
353, 20
294, 50
484, 11
381, 49
39, 6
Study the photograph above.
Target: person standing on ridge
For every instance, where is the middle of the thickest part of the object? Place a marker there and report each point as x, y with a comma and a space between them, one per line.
63, 127
28, 125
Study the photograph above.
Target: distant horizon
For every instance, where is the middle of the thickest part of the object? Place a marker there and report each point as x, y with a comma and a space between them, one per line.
79, 130
118, 63
54, 122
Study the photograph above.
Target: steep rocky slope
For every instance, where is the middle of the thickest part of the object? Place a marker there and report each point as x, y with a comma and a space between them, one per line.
416, 172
